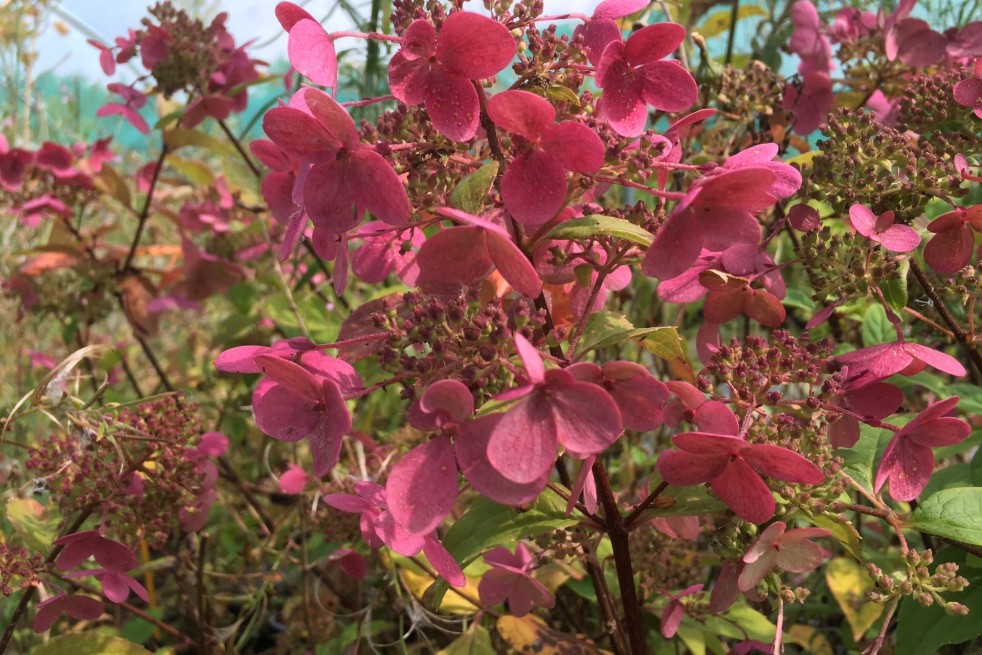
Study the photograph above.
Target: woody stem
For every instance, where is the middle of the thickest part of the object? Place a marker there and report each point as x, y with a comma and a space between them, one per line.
973, 354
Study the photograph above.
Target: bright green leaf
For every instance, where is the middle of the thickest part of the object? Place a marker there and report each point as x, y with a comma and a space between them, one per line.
603, 329
472, 191
895, 289
877, 328
952, 513
560, 93
596, 225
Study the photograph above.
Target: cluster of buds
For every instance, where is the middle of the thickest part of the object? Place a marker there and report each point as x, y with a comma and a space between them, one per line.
863, 162
19, 566
928, 108
751, 92
918, 582
841, 267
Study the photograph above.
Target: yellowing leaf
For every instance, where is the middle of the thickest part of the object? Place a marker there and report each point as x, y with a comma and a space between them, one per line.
110, 182
36, 527
89, 643
849, 582
842, 531
476, 641
197, 172
417, 581
665, 342
528, 635
718, 22
805, 159
810, 639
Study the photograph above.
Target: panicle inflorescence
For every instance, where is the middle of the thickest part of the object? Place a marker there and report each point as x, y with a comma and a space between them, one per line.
928, 108
746, 93
439, 337
18, 566
843, 266
877, 166
915, 579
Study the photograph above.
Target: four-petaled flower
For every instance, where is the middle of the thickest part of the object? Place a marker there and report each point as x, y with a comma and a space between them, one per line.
954, 237
895, 238
436, 70
908, 461
674, 611
633, 76
510, 580
534, 186
733, 467
787, 550
309, 47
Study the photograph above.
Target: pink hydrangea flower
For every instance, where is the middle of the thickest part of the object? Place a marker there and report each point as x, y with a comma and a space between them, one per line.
908, 462
730, 296
733, 467
811, 106
384, 251
954, 238
115, 585
808, 41
875, 401
877, 363
778, 547
82, 608
469, 252
602, 28
639, 395
534, 186
633, 76
882, 230
133, 100
293, 480
968, 92
510, 580
80, 546
436, 70
379, 527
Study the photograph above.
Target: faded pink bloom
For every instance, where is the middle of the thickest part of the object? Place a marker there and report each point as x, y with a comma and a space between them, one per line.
82, 608
674, 611
436, 70
877, 363
731, 296
468, 253
510, 580
811, 106
534, 186
640, 396
422, 486
808, 41
13, 163
602, 28
291, 403
350, 561
310, 48
133, 100
895, 238
633, 76
908, 461
851, 24
911, 40
717, 211
876, 401
384, 251
341, 178
788, 551
115, 585
80, 546
106, 59
555, 409
443, 405
379, 527
733, 467
951, 247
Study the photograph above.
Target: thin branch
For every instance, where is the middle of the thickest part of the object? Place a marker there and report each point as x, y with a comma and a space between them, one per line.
973, 354
145, 212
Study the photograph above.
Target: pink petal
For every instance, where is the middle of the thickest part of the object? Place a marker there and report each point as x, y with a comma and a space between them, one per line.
783, 464
668, 86
531, 360
443, 562
584, 485
651, 43
936, 359
765, 308
282, 414
746, 189
332, 116
311, 52
619, 8
575, 146
597, 35
419, 40
723, 306
298, 134
408, 78
899, 238
240, 359
128, 113
422, 486
530, 593
329, 194
521, 112
671, 617
450, 397
862, 219
522, 446
293, 481
77, 606
289, 14
114, 586
378, 188
756, 571
473, 45
586, 417
534, 187
681, 468
395, 537
676, 246
292, 376
877, 400
452, 104
347, 503
513, 265
638, 394
622, 105
741, 488
212, 444
455, 256
472, 457
497, 585
920, 47
946, 431
950, 250
715, 417
909, 467
799, 556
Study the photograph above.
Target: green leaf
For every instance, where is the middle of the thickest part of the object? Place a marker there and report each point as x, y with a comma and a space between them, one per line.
895, 289
178, 137
924, 630
952, 513
35, 524
877, 328
472, 191
596, 225
720, 21
842, 531
800, 299
88, 643
560, 93
970, 397
197, 172
603, 329
861, 458
476, 641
